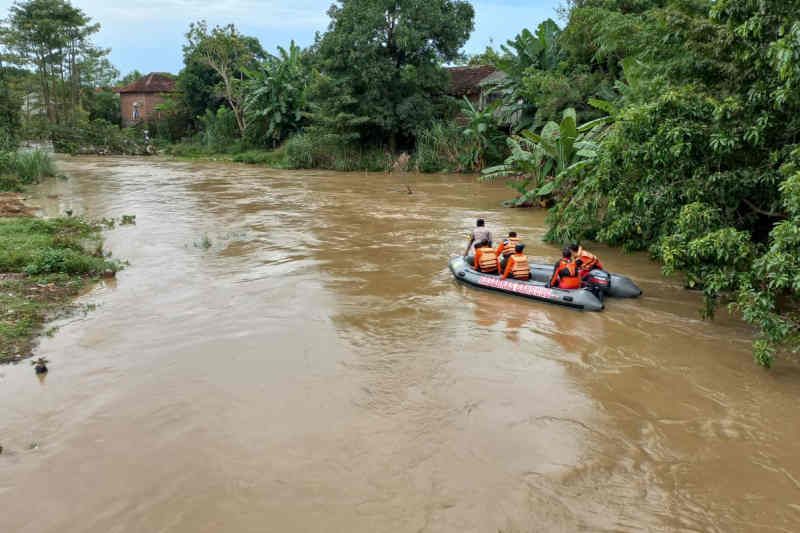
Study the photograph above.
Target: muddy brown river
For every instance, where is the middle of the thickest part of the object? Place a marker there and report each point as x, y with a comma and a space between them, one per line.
318, 369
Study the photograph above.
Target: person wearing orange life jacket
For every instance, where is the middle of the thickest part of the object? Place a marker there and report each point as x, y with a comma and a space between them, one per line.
506, 248
485, 258
589, 261
566, 273
517, 265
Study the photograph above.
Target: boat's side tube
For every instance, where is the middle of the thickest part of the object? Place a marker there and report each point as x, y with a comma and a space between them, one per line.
579, 299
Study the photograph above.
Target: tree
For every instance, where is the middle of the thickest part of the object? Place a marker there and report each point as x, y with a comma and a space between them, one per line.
129, 78
10, 119
53, 37
521, 57
380, 65
544, 165
700, 167
230, 55
276, 100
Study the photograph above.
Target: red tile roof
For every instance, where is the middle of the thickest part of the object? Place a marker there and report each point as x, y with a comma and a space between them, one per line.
155, 82
466, 80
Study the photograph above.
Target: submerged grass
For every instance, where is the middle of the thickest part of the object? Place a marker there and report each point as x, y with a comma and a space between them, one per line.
43, 265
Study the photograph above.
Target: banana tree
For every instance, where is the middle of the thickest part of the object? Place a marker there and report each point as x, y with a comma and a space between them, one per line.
276, 99
481, 134
528, 51
539, 161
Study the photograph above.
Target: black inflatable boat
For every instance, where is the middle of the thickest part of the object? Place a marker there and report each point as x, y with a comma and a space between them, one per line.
535, 290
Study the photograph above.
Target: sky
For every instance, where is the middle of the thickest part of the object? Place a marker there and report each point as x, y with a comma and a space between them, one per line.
147, 35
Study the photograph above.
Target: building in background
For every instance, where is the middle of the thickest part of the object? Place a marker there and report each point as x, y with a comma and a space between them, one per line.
139, 99
471, 81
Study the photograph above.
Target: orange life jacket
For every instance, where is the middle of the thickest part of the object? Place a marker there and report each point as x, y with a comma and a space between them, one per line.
487, 259
520, 268
566, 280
588, 260
509, 246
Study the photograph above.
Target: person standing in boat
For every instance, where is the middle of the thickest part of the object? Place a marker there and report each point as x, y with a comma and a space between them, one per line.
566, 273
479, 234
485, 258
517, 265
588, 260
506, 248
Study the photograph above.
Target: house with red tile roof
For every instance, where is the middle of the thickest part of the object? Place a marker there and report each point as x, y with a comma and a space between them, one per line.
139, 99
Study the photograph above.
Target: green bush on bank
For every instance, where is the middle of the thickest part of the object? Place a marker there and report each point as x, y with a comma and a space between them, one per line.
47, 263
62, 245
306, 150
441, 148
271, 158
24, 167
98, 137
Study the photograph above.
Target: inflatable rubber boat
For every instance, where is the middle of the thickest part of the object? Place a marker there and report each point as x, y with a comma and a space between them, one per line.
613, 285
536, 290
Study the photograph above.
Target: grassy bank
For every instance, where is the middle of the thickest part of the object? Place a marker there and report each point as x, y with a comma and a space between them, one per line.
441, 148
299, 152
44, 264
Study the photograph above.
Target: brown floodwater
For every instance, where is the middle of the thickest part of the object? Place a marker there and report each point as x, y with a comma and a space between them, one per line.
318, 369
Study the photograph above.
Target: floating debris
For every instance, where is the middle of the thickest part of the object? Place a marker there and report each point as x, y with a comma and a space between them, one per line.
40, 365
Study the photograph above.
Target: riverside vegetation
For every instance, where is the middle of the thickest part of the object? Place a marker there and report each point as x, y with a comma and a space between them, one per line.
668, 126
43, 263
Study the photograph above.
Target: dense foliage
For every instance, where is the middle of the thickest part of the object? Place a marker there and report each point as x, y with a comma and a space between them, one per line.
699, 167
276, 98
54, 38
380, 66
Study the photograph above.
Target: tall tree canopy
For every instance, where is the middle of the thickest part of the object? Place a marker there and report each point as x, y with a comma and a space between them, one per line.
381, 65
701, 167
54, 38
229, 55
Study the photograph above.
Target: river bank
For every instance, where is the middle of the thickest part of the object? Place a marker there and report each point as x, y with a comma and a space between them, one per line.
44, 263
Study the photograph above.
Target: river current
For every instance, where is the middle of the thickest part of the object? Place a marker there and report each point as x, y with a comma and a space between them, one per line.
317, 368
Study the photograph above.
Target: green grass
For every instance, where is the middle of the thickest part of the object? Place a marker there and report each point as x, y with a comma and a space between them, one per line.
25, 304
299, 151
43, 264
271, 158
21, 168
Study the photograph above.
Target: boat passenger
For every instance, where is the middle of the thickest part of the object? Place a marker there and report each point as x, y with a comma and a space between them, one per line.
566, 273
485, 258
508, 246
589, 261
479, 234
517, 265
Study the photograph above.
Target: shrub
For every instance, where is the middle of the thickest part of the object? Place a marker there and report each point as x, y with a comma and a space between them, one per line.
33, 165
272, 158
21, 168
440, 148
64, 260
299, 150
38, 246
98, 137
308, 150
220, 131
